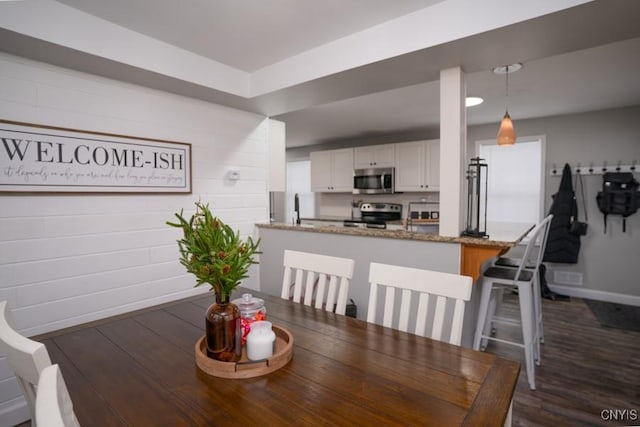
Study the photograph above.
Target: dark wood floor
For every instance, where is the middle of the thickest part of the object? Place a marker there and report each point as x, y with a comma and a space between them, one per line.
585, 369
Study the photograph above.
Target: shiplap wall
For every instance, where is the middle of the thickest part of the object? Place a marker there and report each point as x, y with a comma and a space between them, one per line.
66, 260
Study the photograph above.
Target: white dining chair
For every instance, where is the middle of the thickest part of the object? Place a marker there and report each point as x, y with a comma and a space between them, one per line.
425, 284
524, 278
318, 280
53, 403
26, 357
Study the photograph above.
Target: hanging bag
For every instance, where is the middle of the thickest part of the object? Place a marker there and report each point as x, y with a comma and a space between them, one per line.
619, 196
577, 227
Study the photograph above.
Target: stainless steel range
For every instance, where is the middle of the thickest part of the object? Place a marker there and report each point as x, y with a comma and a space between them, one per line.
376, 215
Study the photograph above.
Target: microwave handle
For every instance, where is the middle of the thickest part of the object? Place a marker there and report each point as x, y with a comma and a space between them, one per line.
382, 181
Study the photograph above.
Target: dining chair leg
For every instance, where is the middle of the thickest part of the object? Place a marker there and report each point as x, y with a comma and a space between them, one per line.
525, 293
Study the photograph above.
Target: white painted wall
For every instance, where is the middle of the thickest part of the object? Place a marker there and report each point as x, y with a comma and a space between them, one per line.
66, 260
607, 261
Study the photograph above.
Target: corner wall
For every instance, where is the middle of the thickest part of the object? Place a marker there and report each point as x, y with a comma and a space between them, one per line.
607, 261
70, 259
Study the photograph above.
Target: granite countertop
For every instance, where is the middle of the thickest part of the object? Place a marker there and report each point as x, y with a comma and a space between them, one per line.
506, 235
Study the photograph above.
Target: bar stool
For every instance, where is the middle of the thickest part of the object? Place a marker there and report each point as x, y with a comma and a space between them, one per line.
496, 278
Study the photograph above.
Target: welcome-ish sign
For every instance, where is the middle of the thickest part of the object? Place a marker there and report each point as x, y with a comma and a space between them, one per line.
36, 158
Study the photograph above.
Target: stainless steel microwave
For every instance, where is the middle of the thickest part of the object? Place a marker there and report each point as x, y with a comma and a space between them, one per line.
374, 181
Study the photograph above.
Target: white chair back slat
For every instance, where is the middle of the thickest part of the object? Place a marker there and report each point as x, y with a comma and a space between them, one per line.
341, 304
53, 404
421, 315
297, 285
27, 358
286, 290
438, 318
319, 270
331, 294
373, 302
389, 300
308, 288
405, 304
456, 326
423, 282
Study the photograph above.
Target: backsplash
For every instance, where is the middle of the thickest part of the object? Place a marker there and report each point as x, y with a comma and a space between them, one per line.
339, 204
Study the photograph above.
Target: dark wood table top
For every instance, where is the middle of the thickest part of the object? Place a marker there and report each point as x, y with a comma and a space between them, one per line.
138, 369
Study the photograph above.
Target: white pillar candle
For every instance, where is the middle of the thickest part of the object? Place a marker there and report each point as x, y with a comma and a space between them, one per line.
260, 341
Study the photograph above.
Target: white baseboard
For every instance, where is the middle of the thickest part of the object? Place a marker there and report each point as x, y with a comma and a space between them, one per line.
573, 291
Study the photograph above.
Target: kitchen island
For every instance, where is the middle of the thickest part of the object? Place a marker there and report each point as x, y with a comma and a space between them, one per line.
459, 255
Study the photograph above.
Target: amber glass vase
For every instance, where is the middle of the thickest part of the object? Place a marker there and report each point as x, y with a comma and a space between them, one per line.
223, 331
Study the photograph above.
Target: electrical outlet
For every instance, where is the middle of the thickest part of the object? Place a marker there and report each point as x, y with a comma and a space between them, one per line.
567, 278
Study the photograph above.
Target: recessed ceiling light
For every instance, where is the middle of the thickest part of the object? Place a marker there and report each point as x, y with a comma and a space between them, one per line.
472, 101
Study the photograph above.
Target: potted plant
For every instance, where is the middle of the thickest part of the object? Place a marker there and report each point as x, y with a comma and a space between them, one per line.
214, 253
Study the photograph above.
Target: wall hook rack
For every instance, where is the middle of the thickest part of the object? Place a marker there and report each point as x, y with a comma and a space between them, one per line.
592, 169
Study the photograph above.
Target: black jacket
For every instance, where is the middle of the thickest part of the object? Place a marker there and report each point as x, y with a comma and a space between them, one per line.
562, 246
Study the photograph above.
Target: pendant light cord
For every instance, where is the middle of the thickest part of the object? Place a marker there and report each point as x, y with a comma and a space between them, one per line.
507, 89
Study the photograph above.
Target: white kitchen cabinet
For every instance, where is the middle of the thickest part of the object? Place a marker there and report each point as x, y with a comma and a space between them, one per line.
379, 156
418, 166
332, 171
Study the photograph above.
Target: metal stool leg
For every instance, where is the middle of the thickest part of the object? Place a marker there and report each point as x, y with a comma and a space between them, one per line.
527, 314
483, 310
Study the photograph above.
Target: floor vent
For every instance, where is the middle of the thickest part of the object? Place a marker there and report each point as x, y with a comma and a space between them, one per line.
567, 278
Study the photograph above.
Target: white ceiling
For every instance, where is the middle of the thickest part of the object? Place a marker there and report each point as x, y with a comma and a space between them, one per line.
248, 34
582, 58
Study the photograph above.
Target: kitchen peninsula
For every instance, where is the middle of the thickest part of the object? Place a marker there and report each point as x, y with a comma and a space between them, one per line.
459, 255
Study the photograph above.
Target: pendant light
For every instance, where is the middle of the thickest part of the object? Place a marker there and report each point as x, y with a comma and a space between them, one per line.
506, 134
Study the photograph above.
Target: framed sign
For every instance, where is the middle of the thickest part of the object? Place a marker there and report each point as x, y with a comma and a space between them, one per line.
35, 158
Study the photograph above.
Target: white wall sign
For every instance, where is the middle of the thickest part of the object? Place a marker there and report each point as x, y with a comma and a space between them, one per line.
36, 158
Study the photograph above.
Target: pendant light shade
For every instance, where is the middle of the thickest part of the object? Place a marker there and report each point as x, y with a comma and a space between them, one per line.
506, 134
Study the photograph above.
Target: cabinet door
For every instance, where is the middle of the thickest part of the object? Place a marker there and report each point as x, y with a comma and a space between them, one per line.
432, 173
375, 156
384, 156
320, 171
332, 171
342, 170
410, 160
363, 157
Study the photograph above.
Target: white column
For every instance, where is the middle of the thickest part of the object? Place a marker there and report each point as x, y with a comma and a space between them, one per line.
453, 153
277, 166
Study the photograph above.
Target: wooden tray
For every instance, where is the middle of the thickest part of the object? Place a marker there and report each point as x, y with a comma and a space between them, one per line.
246, 368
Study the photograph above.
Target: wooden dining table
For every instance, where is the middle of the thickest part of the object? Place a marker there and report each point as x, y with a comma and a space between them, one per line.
139, 369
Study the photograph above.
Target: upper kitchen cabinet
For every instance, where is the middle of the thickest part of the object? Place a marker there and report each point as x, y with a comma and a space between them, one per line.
418, 166
332, 171
379, 156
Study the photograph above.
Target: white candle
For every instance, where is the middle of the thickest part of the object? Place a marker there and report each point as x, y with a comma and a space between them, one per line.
260, 341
